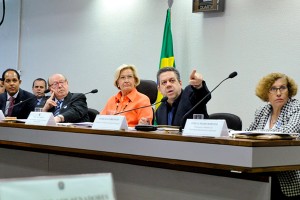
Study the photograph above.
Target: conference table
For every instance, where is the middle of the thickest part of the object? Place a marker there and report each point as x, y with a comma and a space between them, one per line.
149, 165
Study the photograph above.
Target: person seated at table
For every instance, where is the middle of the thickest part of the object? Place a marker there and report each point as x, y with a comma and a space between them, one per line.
280, 114
39, 86
65, 106
15, 102
128, 98
2, 88
180, 101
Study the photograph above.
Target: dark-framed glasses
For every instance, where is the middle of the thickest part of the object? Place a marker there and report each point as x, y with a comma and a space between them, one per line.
281, 89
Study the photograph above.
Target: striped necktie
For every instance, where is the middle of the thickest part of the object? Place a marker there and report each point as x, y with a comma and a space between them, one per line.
57, 108
11, 104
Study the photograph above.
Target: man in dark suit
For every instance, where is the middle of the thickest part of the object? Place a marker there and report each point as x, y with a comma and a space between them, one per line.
180, 101
14, 95
65, 106
2, 88
39, 86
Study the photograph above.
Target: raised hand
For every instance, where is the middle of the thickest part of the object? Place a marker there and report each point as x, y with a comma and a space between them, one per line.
49, 103
196, 79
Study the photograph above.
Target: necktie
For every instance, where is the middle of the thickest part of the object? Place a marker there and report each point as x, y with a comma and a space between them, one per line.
57, 108
38, 102
11, 104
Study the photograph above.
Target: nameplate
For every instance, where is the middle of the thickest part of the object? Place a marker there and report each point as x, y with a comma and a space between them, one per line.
41, 118
2, 117
205, 127
110, 122
89, 186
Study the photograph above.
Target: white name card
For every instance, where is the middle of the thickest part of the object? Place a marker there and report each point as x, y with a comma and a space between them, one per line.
110, 122
41, 118
2, 117
91, 186
205, 127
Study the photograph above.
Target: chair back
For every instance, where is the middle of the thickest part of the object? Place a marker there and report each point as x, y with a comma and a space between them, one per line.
149, 88
92, 114
233, 121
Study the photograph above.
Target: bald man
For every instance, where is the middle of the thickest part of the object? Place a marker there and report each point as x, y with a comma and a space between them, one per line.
65, 106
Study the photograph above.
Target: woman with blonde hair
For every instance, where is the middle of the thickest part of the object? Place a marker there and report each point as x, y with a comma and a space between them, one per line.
128, 98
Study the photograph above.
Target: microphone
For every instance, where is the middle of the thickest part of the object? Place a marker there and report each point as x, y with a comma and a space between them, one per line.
46, 91
232, 75
93, 92
164, 99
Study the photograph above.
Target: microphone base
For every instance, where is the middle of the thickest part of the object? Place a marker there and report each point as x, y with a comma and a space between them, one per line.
145, 128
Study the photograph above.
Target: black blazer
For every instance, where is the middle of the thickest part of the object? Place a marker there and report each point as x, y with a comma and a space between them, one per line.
22, 110
186, 100
74, 108
42, 102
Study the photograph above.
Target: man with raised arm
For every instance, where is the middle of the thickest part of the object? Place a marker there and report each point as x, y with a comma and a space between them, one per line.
180, 101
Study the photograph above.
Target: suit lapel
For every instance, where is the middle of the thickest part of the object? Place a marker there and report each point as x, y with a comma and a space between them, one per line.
66, 101
17, 109
3, 99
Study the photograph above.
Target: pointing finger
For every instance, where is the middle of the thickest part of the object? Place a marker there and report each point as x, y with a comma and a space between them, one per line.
192, 76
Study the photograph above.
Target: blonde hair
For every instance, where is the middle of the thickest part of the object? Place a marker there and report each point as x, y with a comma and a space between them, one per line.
264, 85
123, 67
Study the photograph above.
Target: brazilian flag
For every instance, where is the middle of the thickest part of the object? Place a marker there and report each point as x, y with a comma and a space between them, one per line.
167, 54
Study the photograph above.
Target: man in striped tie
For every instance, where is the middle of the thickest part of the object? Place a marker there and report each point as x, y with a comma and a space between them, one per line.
65, 106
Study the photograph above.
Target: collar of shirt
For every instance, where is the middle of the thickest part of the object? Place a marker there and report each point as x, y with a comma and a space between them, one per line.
175, 104
131, 96
56, 100
15, 95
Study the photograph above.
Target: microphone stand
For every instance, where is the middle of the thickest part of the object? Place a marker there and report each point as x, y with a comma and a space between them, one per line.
232, 75
162, 100
21, 102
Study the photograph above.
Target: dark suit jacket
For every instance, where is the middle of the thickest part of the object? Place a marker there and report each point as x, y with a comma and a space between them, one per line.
187, 99
42, 102
22, 110
74, 108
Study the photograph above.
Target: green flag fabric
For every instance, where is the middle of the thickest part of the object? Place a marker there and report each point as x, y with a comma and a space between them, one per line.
167, 54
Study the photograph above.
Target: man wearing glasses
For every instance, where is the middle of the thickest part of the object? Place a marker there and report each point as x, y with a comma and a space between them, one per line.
65, 106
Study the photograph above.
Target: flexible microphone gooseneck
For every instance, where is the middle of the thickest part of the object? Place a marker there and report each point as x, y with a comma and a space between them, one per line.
76, 98
164, 99
46, 91
232, 75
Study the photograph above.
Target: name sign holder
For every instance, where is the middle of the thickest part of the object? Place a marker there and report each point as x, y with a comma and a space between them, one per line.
205, 128
2, 117
110, 122
41, 118
87, 186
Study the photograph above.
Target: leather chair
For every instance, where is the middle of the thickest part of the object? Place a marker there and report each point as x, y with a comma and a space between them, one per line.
149, 88
233, 121
92, 114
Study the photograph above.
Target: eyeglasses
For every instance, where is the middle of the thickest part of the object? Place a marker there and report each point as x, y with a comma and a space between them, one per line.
56, 84
281, 89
